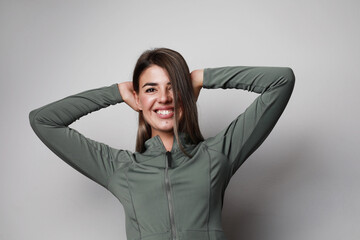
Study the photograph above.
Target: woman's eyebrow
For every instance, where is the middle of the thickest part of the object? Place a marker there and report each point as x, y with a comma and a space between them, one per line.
149, 84
153, 84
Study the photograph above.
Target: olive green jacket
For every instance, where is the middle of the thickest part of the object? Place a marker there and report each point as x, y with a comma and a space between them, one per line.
167, 195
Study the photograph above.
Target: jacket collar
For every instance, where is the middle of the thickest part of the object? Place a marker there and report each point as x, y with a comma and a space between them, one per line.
155, 153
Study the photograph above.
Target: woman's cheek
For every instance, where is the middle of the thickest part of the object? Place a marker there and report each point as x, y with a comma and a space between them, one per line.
146, 102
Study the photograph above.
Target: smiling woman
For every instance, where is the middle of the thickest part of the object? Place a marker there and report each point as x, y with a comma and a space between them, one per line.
155, 101
156, 96
162, 81
173, 186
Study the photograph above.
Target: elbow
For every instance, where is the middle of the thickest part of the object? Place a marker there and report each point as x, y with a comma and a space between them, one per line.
286, 79
285, 82
289, 76
33, 118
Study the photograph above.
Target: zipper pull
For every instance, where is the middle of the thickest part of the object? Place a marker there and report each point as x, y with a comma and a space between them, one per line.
168, 157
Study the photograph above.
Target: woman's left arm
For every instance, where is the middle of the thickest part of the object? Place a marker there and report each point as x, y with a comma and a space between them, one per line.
247, 132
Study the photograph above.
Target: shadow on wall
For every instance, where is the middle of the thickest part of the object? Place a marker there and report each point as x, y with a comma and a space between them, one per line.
261, 201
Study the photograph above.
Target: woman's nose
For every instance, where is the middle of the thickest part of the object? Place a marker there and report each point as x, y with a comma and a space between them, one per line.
165, 96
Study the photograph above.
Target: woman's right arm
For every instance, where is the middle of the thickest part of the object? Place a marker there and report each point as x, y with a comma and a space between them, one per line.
50, 123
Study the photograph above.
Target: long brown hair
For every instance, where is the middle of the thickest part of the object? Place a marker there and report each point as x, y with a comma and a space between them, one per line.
176, 67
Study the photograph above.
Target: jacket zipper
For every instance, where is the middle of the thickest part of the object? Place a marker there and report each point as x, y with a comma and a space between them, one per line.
168, 192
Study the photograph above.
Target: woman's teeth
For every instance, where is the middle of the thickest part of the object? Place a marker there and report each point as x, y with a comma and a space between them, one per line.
164, 112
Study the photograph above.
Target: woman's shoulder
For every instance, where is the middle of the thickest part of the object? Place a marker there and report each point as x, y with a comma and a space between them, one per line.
121, 157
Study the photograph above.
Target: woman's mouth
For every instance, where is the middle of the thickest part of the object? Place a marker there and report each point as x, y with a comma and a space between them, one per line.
165, 113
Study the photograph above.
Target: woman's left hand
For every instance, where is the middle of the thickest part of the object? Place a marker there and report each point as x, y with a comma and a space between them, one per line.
127, 93
197, 77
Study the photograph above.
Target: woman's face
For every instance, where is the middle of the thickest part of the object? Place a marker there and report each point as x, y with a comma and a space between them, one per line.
155, 99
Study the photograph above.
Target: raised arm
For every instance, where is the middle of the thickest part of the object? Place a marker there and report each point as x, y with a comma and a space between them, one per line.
246, 133
50, 123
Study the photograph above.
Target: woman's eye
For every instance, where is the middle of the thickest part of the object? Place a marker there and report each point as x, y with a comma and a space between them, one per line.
150, 90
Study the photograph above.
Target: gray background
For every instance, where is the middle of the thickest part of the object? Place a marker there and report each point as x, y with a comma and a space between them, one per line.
302, 183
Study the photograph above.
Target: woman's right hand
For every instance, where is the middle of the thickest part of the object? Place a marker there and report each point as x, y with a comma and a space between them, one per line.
197, 77
127, 93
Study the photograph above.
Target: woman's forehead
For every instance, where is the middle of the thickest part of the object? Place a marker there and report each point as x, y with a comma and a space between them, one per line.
154, 75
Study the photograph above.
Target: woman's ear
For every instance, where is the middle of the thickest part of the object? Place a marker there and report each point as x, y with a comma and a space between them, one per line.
137, 100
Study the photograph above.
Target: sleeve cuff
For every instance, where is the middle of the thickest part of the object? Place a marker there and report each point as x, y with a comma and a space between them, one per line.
116, 93
207, 78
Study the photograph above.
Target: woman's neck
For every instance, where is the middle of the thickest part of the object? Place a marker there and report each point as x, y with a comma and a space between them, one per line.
167, 139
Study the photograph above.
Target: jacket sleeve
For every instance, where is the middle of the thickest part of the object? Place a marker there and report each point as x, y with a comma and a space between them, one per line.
246, 133
50, 123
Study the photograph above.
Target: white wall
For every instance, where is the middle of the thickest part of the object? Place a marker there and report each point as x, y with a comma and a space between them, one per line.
302, 183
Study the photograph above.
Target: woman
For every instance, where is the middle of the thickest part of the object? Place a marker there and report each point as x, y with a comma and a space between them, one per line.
173, 186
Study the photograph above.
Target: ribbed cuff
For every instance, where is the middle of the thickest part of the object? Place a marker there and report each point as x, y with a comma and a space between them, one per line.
116, 93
